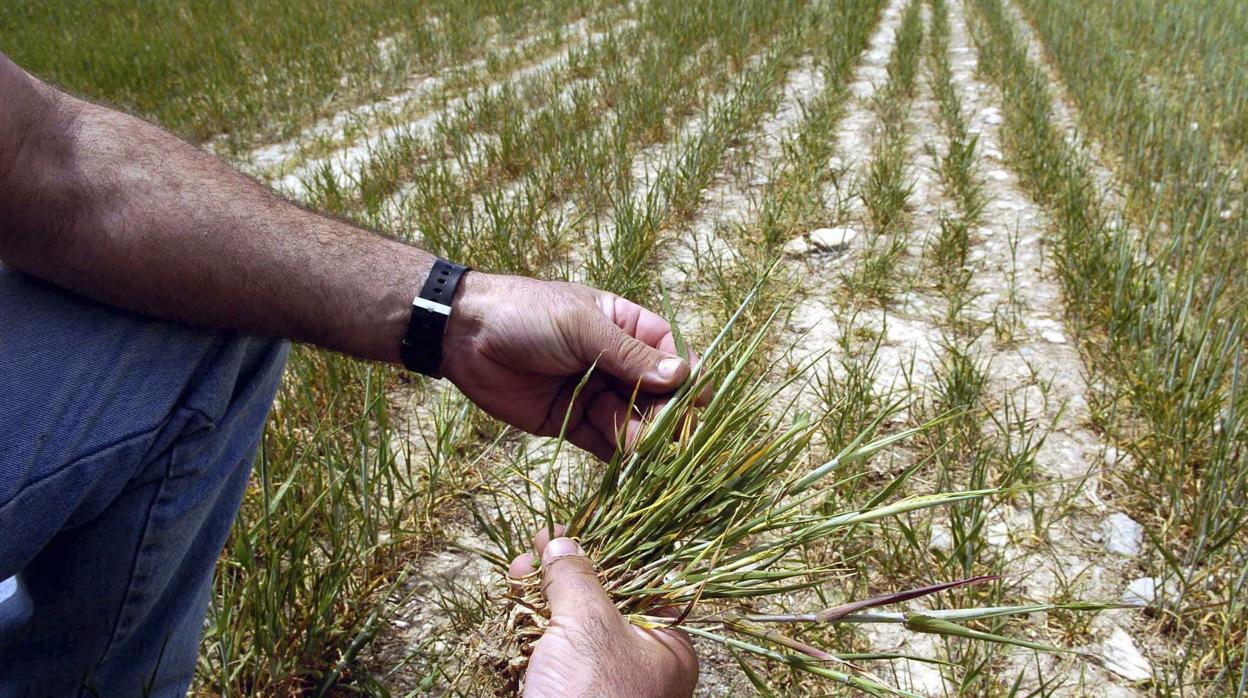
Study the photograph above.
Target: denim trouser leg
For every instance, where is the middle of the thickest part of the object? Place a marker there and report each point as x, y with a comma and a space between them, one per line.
125, 447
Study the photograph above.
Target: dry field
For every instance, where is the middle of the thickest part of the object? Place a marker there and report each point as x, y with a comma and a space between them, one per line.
1010, 231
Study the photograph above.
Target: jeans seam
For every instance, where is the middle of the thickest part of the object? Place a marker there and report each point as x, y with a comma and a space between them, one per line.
134, 589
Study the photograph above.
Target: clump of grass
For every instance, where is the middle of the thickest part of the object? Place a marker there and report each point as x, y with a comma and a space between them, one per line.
956, 168
884, 188
710, 516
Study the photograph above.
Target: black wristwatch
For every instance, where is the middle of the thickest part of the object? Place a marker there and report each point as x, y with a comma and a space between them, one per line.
421, 348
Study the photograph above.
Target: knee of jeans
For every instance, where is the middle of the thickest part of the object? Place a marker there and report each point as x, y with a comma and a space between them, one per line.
219, 420
242, 373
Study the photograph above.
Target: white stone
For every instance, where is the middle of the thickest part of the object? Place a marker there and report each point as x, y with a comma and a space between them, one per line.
1147, 591
1117, 458
940, 539
1122, 657
797, 247
833, 238
997, 534
1053, 337
1123, 535
922, 677
991, 115
1141, 592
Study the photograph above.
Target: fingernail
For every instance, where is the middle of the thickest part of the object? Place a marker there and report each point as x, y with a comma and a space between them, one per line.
669, 367
561, 547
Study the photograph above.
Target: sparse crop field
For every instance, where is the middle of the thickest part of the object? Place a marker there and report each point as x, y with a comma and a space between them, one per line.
993, 251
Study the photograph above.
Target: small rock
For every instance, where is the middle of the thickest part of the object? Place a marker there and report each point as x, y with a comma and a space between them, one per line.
1148, 591
1123, 535
1053, 337
1115, 457
1112, 454
797, 247
997, 534
833, 238
991, 116
1123, 657
940, 539
1141, 592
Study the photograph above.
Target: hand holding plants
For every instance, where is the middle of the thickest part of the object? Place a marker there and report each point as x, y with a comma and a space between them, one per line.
518, 347
589, 649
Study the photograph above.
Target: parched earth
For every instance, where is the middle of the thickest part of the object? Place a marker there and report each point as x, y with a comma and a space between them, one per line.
1086, 548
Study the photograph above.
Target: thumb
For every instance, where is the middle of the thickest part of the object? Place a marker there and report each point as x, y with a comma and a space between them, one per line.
570, 584
629, 359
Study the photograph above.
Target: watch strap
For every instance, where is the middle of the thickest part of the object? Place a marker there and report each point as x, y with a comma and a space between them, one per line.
421, 348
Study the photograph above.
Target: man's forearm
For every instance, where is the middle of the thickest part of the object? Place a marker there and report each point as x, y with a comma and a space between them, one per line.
120, 211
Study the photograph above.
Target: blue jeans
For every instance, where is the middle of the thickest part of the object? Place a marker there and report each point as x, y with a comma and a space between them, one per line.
125, 447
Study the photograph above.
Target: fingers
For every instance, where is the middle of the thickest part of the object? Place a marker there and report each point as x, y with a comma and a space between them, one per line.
677, 653
543, 537
610, 415
526, 563
587, 438
626, 341
522, 566
603, 421
571, 586
654, 331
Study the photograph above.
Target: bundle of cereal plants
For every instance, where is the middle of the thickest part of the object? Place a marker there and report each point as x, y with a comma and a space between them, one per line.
702, 524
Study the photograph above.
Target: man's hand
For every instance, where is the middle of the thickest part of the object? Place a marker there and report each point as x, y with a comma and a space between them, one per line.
518, 347
589, 649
